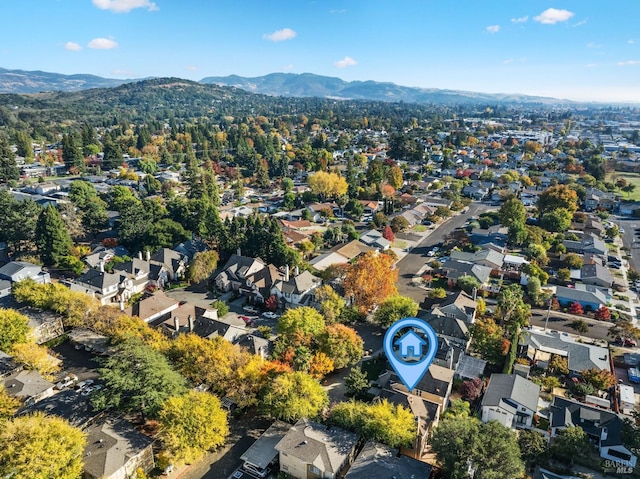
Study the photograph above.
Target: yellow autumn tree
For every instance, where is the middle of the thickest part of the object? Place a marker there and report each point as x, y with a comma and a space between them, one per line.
36, 358
327, 185
370, 280
320, 365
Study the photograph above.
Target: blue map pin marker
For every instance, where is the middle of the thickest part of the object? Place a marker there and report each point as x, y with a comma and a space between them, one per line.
408, 361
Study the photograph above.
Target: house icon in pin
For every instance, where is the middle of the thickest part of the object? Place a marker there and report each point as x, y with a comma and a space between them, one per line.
410, 345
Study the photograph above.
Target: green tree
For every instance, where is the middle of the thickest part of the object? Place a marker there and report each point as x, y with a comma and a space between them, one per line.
72, 152
512, 212
399, 224
468, 284
356, 382
391, 424
303, 320
557, 220
394, 308
555, 197
8, 166
570, 444
202, 266
137, 378
192, 424
52, 238
294, 395
580, 326
14, 329
573, 261
40, 447
342, 344
487, 339
24, 146
331, 303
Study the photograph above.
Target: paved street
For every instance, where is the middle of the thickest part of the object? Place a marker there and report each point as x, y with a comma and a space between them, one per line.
560, 322
409, 266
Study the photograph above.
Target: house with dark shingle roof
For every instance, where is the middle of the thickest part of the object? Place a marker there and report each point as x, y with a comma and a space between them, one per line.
249, 276
174, 262
454, 269
297, 290
115, 450
382, 462
511, 400
18, 270
602, 427
596, 274
28, 386
457, 306
106, 287
311, 449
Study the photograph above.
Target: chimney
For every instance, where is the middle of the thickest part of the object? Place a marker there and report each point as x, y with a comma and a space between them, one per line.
190, 319
101, 265
296, 271
239, 252
139, 254
286, 273
176, 323
121, 304
148, 255
475, 293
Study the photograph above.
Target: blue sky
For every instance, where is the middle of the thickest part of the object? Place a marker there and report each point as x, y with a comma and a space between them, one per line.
575, 49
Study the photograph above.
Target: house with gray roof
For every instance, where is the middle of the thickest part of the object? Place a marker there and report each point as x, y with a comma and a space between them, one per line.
174, 262
263, 454
511, 400
115, 450
106, 287
538, 346
311, 449
457, 306
28, 386
454, 269
589, 296
454, 329
486, 257
589, 243
249, 276
602, 427
382, 462
67, 404
296, 290
7, 365
375, 239
18, 270
596, 274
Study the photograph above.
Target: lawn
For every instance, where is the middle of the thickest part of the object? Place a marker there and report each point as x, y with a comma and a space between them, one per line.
633, 178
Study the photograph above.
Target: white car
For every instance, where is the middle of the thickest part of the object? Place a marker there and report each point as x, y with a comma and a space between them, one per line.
431, 254
269, 315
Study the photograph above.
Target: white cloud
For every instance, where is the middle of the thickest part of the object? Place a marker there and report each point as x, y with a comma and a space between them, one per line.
553, 15
580, 23
102, 44
125, 6
520, 20
345, 62
493, 28
122, 72
628, 63
280, 35
191, 68
72, 47
631, 42
591, 65
593, 45
342, 10
288, 67
507, 61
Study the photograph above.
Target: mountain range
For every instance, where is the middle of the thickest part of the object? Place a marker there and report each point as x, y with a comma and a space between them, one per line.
277, 84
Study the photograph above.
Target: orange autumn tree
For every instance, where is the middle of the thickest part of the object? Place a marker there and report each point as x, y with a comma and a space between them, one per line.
370, 280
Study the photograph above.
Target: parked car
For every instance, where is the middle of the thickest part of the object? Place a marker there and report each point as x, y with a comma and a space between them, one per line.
251, 309
269, 315
84, 384
66, 381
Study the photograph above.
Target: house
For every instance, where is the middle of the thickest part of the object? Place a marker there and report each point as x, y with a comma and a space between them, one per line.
454, 330
382, 462
511, 400
67, 404
588, 244
319, 210
18, 270
596, 275
375, 239
457, 306
297, 290
476, 193
485, 257
249, 276
152, 307
588, 296
340, 254
28, 386
174, 262
115, 450
426, 414
602, 427
595, 199
8, 366
454, 269
188, 249
370, 207
44, 325
494, 234
538, 346
106, 287
188, 318
137, 271
262, 455
435, 386
312, 450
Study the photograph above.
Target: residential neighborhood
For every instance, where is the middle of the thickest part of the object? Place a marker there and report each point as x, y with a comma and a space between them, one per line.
222, 314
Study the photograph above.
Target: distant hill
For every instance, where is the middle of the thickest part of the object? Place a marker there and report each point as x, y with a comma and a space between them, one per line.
21, 81
310, 85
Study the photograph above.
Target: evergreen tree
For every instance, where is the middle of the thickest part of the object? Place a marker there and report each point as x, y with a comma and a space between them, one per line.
72, 153
24, 147
52, 238
8, 166
112, 154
